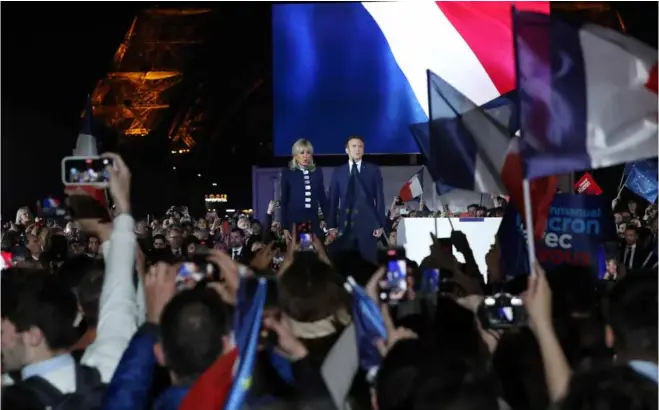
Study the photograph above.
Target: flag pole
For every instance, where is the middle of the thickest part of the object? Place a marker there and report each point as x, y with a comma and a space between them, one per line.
435, 202
528, 216
526, 186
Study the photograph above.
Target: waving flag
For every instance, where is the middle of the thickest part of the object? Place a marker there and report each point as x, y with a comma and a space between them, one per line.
474, 148
369, 326
342, 68
642, 179
412, 188
588, 96
86, 147
248, 327
421, 135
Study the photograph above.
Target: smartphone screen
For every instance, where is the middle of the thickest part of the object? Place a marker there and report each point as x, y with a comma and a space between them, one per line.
190, 274
85, 170
304, 236
430, 281
51, 208
394, 287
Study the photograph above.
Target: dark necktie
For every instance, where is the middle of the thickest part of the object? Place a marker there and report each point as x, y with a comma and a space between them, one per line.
235, 254
628, 257
351, 184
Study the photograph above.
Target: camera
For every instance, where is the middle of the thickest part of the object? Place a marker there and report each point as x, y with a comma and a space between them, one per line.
502, 311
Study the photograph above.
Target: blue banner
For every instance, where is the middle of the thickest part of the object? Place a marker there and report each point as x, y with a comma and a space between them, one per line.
577, 227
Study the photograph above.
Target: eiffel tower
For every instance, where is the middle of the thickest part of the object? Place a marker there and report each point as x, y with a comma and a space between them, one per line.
140, 89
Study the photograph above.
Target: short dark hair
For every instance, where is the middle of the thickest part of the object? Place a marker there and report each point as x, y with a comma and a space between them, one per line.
84, 275
631, 311
354, 137
631, 227
412, 378
43, 301
191, 330
618, 387
473, 206
159, 236
238, 230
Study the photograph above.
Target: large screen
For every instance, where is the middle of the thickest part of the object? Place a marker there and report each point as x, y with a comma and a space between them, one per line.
343, 69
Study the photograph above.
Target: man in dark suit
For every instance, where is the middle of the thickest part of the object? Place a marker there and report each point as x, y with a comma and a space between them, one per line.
632, 254
239, 251
356, 209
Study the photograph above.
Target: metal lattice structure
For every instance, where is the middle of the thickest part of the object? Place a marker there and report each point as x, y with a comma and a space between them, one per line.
147, 68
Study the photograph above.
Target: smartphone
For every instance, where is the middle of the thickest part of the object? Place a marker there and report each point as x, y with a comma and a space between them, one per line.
393, 288
430, 281
86, 171
502, 311
445, 245
304, 236
196, 272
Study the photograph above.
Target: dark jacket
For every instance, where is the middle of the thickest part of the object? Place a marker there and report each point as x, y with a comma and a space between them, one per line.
302, 193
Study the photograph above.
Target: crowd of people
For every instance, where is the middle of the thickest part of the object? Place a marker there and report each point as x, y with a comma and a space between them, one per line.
94, 316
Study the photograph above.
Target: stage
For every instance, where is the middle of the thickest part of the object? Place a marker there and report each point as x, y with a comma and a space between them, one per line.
414, 235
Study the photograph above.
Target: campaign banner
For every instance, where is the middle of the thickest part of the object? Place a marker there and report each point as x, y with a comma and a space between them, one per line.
577, 227
587, 185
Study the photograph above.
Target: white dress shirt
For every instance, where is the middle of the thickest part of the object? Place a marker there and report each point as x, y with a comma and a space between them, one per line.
359, 165
628, 258
59, 371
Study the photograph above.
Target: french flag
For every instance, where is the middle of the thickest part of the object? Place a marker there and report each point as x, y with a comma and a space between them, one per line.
475, 148
412, 188
588, 96
377, 56
86, 147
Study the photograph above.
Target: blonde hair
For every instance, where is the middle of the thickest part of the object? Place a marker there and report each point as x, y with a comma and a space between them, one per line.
300, 146
24, 210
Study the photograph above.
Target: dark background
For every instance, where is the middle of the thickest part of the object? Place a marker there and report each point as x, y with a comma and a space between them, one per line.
54, 53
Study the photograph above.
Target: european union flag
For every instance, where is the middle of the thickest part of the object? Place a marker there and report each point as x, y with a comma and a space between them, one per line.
247, 328
369, 326
642, 179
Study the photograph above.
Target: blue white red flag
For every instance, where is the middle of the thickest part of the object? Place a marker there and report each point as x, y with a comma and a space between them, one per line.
377, 55
588, 96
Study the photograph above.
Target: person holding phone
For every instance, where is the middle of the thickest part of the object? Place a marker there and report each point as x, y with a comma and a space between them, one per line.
302, 191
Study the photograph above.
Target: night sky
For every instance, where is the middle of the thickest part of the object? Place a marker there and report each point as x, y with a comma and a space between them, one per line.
54, 53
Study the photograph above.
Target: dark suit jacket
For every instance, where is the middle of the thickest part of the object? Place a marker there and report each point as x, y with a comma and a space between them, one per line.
369, 207
640, 254
245, 256
301, 195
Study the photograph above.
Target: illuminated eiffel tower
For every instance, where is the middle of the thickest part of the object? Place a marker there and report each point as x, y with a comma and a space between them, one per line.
136, 95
